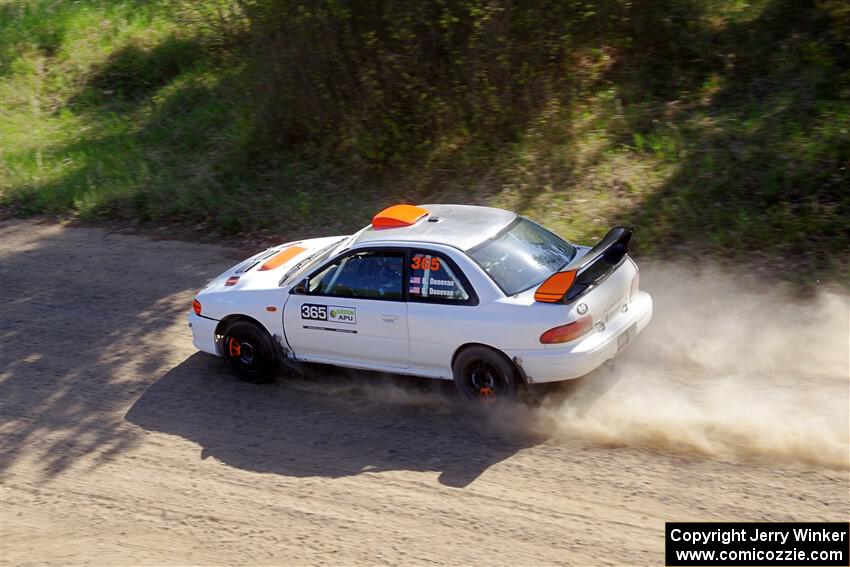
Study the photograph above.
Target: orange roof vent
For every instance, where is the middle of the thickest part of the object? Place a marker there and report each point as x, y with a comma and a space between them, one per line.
398, 216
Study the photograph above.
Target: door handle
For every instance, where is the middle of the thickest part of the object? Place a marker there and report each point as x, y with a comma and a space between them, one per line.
389, 318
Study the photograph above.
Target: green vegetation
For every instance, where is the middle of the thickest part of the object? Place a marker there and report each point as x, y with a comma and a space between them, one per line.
717, 127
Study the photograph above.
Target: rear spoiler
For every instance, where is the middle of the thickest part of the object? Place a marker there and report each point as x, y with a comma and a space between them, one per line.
582, 273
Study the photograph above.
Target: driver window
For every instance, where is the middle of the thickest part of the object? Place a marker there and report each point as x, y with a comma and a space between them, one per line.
371, 275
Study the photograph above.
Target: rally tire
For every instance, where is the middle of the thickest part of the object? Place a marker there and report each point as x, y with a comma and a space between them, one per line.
249, 351
484, 375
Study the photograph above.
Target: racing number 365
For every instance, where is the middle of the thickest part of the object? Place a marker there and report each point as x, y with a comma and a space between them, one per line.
422, 263
318, 312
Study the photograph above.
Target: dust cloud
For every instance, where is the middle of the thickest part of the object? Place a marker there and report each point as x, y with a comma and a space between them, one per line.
728, 367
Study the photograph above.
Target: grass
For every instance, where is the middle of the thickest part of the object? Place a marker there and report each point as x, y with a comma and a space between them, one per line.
720, 129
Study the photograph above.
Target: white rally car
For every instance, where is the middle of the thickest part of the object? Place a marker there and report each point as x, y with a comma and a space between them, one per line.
477, 295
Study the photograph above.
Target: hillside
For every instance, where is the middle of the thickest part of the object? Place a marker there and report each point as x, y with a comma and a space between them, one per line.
719, 128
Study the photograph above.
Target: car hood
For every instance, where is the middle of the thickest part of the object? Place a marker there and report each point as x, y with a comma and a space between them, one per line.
265, 269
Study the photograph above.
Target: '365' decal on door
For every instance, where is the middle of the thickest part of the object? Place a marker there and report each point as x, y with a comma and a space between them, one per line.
333, 313
314, 312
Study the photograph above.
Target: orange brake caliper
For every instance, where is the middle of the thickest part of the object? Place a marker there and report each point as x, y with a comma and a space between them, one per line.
485, 392
233, 347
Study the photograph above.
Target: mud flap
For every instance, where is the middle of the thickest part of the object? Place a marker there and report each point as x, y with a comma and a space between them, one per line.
285, 361
528, 392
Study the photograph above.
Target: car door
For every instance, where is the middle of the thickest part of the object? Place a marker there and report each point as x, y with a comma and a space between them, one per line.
352, 312
441, 306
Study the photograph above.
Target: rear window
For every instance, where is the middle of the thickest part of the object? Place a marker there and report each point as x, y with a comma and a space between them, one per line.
432, 279
522, 256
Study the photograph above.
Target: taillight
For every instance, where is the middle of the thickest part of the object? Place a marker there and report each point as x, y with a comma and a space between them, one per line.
568, 332
196, 306
635, 284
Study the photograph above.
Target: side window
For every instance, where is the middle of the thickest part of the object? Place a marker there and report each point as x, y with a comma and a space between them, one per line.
372, 275
433, 279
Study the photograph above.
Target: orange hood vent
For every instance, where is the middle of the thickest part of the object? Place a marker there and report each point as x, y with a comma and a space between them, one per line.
281, 258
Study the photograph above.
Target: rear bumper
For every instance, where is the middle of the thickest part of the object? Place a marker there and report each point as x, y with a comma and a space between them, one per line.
203, 333
565, 362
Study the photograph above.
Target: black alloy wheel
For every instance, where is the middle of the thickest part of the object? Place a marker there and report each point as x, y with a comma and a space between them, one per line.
249, 351
484, 375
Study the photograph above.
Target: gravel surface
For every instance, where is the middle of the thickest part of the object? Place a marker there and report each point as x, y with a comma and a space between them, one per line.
122, 445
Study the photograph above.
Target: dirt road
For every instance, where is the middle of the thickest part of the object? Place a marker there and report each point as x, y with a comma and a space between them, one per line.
121, 445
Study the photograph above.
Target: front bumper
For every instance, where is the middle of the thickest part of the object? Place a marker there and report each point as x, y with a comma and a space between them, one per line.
565, 362
203, 333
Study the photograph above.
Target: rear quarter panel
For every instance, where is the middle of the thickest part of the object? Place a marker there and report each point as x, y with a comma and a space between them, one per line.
512, 323
437, 331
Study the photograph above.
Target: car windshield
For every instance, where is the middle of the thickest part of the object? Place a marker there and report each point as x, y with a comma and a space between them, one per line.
523, 256
308, 262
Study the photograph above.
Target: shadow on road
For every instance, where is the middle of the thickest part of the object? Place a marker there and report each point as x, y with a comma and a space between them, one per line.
89, 317
331, 425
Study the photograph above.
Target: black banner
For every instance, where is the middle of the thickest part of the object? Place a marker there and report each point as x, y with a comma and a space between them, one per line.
744, 544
